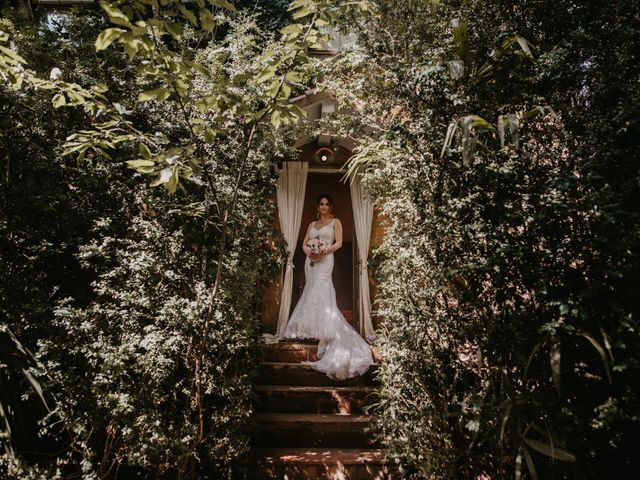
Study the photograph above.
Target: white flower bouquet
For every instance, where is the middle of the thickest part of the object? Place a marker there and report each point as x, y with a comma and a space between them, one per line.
316, 246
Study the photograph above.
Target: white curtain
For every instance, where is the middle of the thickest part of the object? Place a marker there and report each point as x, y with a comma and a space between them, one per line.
362, 219
292, 182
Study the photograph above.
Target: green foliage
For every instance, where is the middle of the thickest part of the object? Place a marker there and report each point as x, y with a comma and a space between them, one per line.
110, 284
160, 41
520, 326
126, 390
500, 141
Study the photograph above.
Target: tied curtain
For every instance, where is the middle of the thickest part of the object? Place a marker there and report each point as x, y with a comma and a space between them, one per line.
362, 220
292, 182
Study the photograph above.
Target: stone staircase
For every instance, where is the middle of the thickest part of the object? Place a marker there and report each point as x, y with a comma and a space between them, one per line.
308, 426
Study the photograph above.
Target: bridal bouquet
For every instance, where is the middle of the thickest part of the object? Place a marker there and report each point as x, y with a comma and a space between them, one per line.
316, 246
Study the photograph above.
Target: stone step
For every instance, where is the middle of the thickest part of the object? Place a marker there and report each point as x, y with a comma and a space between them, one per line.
313, 399
321, 464
311, 430
291, 352
284, 373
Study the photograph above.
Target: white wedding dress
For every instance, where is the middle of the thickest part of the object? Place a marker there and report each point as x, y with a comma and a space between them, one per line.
342, 352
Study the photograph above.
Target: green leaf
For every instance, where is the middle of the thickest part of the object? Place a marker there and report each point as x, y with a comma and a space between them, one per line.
276, 119
461, 37
607, 343
293, 77
107, 37
292, 29
296, 111
549, 451
518, 472
297, 4
273, 88
140, 163
116, 15
188, 14
266, 74
207, 20
209, 135
73, 147
524, 45
303, 12
286, 90
224, 4
602, 354
75, 99
181, 87
481, 123
12, 55
484, 70
35, 385
131, 45
240, 79
530, 465
175, 29
59, 100
505, 419
531, 357
539, 110
144, 151
198, 68
158, 93
172, 184
156, 22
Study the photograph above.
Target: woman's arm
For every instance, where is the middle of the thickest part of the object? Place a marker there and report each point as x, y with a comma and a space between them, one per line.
305, 249
337, 228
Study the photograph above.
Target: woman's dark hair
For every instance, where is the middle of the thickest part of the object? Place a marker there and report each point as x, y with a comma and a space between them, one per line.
327, 196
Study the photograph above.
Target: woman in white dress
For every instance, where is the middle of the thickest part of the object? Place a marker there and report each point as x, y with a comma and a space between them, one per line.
342, 352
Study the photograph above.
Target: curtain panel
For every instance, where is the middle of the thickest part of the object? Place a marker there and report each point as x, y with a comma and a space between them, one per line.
362, 219
292, 183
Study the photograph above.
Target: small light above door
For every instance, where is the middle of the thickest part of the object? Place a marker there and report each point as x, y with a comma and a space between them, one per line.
324, 155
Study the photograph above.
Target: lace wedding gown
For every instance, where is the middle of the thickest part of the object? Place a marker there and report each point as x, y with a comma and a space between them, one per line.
342, 352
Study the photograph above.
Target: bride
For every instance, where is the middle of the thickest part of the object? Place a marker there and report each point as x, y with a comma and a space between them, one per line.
342, 352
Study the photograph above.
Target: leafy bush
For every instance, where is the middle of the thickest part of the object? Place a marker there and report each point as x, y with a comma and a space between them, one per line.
123, 376
514, 347
109, 282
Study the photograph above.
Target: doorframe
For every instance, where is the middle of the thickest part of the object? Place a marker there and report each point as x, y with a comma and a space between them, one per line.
355, 281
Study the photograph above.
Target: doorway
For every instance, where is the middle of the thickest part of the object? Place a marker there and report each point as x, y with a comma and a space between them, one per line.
343, 279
